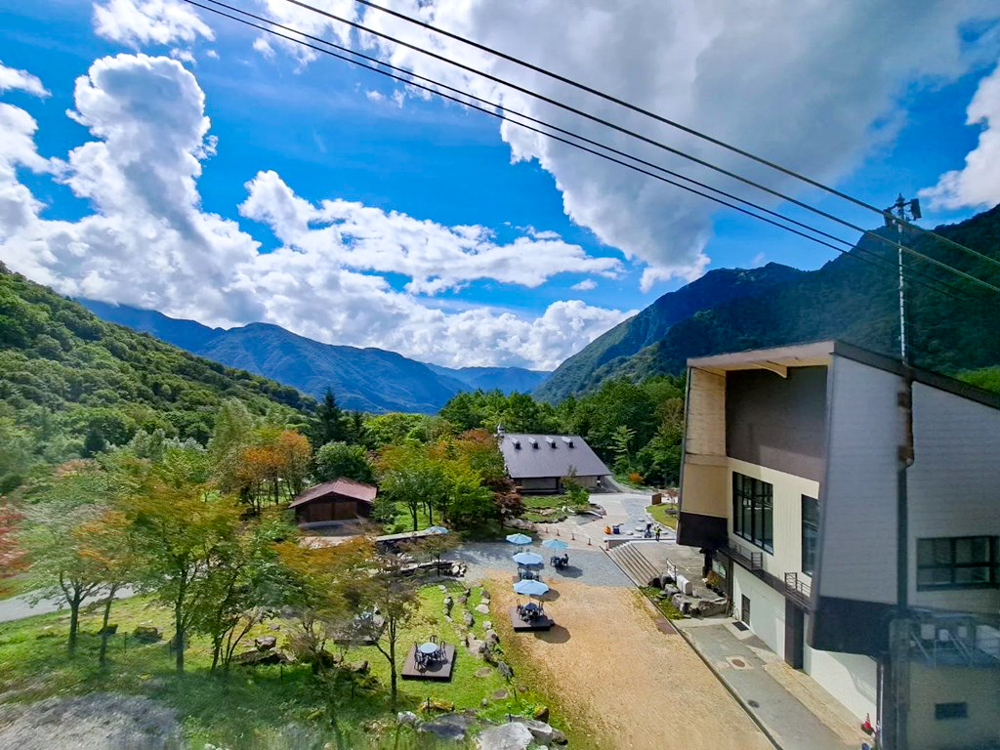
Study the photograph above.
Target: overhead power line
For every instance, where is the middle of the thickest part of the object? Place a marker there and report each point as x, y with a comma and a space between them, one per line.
299, 37
653, 115
641, 137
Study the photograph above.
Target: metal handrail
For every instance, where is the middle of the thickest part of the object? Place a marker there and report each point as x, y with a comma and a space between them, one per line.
797, 587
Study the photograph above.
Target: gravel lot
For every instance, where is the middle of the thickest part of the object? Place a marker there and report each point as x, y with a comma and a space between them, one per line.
586, 565
93, 722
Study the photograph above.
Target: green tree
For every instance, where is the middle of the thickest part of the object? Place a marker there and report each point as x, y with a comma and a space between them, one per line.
409, 475
340, 459
328, 426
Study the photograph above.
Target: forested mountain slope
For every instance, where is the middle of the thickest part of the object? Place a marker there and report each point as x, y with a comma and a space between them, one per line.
507, 379
71, 383
856, 302
582, 371
371, 380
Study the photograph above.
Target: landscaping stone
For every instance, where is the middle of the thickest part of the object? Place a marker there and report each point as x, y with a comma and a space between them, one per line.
543, 732
448, 604
499, 695
467, 618
542, 714
504, 669
513, 736
274, 626
484, 672
435, 704
111, 629
487, 624
485, 702
407, 717
265, 642
492, 637
483, 609
257, 658
358, 667
449, 726
476, 646
462, 599
145, 634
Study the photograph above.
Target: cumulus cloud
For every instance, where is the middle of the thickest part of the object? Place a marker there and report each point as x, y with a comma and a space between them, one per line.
585, 285
435, 257
814, 86
12, 79
149, 243
977, 184
375, 96
139, 22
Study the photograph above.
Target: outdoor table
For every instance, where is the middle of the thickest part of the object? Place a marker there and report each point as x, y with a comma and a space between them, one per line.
428, 649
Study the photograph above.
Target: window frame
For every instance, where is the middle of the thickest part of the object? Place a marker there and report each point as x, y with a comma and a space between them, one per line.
753, 507
991, 564
812, 524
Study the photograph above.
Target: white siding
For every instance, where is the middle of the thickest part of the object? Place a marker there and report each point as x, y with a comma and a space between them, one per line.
705, 426
858, 504
979, 688
850, 678
767, 609
954, 484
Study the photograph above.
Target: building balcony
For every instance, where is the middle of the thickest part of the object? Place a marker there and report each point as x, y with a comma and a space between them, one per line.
798, 589
748, 558
955, 639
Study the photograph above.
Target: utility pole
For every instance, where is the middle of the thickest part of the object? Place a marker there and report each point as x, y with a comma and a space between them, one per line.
896, 672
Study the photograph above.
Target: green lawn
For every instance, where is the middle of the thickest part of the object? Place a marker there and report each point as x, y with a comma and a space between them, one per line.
255, 707
663, 513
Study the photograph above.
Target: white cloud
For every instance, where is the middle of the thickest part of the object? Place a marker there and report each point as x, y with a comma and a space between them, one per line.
435, 257
977, 184
374, 96
263, 46
815, 86
12, 79
139, 22
184, 55
585, 286
149, 243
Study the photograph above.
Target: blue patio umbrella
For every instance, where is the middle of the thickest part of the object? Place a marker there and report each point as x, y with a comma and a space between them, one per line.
531, 588
527, 558
519, 539
555, 544
436, 530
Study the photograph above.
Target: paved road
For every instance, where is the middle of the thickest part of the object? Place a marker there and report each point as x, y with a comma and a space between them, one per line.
19, 607
590, 566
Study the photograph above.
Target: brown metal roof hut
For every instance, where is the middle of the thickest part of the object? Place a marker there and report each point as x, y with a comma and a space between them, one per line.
332, 503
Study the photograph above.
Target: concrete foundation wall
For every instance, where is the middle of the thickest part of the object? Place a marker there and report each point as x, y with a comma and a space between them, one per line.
850, 678
979, 688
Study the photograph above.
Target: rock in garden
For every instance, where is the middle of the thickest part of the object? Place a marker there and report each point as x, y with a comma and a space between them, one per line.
407, 717
358, 667
483, 609
435, 704
467, 593
487, 624
484, 672
492, 637
462, 599
504, 669
265, 642
542, 714
146, 634
467, 618
442, 587
260, 658
513, 736
109, 630
274, 626
448, 604
476, 646
543, 732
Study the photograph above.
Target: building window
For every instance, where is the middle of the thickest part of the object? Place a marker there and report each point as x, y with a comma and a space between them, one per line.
951, 711
810, 533
753, 516
964, 562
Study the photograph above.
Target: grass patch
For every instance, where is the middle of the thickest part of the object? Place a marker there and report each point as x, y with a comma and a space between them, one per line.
663, 514
255, 707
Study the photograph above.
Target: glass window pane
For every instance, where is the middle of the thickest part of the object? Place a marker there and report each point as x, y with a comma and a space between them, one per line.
941, 575
963, 551
925, 552
979, 549
925, 577
942, 552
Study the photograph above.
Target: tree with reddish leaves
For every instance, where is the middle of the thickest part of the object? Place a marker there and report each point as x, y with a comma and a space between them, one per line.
12, 560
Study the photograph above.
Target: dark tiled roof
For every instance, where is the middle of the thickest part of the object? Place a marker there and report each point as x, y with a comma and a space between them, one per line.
554, 456
341, 487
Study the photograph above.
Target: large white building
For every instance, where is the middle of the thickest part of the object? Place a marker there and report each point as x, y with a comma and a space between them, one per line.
803, 467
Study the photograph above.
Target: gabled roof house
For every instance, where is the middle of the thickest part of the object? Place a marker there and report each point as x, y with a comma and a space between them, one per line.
538, 464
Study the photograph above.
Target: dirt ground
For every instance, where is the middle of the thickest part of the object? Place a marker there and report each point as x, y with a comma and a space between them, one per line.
618, 674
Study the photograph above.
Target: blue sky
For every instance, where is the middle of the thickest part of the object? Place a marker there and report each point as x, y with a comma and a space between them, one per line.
322, 131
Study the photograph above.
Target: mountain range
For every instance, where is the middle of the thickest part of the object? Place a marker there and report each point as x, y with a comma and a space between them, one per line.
370, 380
953, 324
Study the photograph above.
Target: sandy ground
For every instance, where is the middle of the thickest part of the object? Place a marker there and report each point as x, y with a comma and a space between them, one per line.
615, 672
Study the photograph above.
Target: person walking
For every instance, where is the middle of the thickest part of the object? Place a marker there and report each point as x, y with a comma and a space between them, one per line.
657, 533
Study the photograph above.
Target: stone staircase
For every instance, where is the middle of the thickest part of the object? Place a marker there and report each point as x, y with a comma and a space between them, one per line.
633, 563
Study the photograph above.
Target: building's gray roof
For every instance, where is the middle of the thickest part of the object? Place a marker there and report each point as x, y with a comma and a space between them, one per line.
569, 451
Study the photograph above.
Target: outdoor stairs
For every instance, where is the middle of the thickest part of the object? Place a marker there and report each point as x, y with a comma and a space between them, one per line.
633, 563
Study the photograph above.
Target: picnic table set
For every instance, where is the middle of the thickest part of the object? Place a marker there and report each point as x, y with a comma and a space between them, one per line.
529, 583
429, 653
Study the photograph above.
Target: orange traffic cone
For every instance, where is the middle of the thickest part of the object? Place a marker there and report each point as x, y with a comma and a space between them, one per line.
866, 725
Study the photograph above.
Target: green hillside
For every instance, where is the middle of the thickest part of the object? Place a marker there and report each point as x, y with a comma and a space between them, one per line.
584, 370
71, 383
856, 302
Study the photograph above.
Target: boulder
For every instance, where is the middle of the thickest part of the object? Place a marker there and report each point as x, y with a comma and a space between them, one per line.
462, 599
476, 646
487, 624
145, 634
467, 618
448, 604
265, 642
111, 629
483, 609
713, 607
504, 669
358, 667
512, 736
257, 658
407, 717
492, 637
542, 713
449, 726
543, 732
